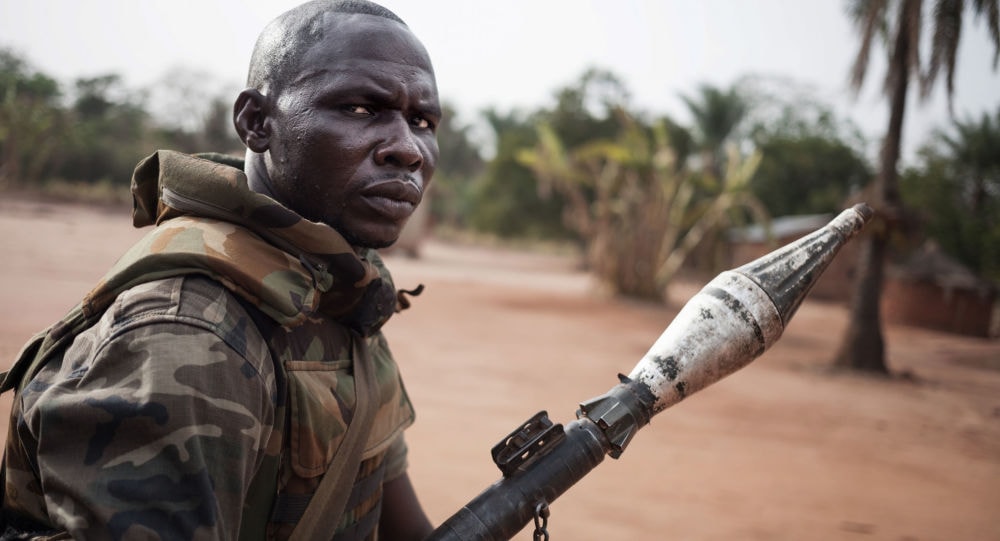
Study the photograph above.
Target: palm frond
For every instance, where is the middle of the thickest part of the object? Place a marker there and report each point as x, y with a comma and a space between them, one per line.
944, 47
908, 21
991, 10
870, 18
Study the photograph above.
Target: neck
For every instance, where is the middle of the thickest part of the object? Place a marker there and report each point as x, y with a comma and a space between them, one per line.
257, 178
260, 182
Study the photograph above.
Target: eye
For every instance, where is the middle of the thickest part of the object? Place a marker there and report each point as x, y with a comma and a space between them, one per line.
421, 123
360, 110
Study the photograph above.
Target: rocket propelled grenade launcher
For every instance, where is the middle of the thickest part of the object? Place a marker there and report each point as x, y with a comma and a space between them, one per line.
729, 323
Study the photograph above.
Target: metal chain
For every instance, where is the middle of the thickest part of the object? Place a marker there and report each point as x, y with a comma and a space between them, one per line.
541, 521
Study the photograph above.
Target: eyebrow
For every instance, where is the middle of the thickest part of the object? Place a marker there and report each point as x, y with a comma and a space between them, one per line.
367, 87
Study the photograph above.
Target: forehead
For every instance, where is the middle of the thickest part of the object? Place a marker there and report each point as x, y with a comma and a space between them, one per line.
365, 44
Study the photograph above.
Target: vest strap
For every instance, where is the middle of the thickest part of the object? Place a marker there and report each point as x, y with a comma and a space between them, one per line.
327, 505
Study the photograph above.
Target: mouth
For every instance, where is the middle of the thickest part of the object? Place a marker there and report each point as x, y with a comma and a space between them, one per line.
394, 198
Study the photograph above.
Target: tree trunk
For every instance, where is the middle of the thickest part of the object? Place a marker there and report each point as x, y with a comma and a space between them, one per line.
863, 347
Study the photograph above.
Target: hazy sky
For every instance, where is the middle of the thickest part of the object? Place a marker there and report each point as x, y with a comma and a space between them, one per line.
515, 53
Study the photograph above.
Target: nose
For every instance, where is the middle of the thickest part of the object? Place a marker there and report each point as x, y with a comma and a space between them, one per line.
399, 148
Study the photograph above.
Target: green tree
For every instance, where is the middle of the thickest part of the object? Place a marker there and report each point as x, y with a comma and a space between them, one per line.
216, 131
716, 113
899, 23
813, 160
458, 168
111, 131
807, 175
31, 121
506, 199
586, 110
956, 192
193, 111
212, 132
974, 150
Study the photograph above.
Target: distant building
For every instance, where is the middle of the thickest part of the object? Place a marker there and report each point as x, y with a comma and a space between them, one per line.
934, 291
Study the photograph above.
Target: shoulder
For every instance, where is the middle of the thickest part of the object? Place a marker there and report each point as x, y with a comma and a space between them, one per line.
193, 300
174, 384
180, 337
189, 313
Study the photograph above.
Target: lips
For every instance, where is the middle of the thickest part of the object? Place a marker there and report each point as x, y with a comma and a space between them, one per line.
394, 198
395, 189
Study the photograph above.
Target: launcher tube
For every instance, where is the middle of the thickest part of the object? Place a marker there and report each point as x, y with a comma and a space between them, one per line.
505, 507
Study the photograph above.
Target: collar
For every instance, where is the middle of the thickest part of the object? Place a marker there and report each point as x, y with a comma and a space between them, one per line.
304, 267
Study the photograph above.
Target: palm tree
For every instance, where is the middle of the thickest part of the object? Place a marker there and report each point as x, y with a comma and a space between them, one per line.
973, 149
716, 113
899, 23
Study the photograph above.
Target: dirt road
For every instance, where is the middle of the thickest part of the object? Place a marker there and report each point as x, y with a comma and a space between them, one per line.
782, 450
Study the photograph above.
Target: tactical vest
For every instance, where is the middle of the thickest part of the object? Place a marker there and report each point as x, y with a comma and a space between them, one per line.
280, 286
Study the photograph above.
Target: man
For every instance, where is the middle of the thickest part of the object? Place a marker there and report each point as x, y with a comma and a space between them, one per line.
227, 379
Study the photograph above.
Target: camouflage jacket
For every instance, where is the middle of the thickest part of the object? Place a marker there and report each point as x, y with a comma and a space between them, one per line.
216, 380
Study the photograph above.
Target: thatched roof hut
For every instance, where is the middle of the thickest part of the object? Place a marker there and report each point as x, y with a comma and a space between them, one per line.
931, 289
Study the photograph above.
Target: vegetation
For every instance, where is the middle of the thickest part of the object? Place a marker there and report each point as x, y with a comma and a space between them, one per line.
640, 195
460, 162
30, 120
810, 159
634, 205
717, 113
639, 203
94, 132
955, 192
899, 24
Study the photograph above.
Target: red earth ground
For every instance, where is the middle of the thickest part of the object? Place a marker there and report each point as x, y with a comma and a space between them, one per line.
782, 450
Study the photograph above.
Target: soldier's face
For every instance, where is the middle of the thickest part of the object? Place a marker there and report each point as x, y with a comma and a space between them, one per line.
354, 142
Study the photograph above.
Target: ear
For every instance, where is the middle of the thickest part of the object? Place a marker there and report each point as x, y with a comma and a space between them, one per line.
250, 115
